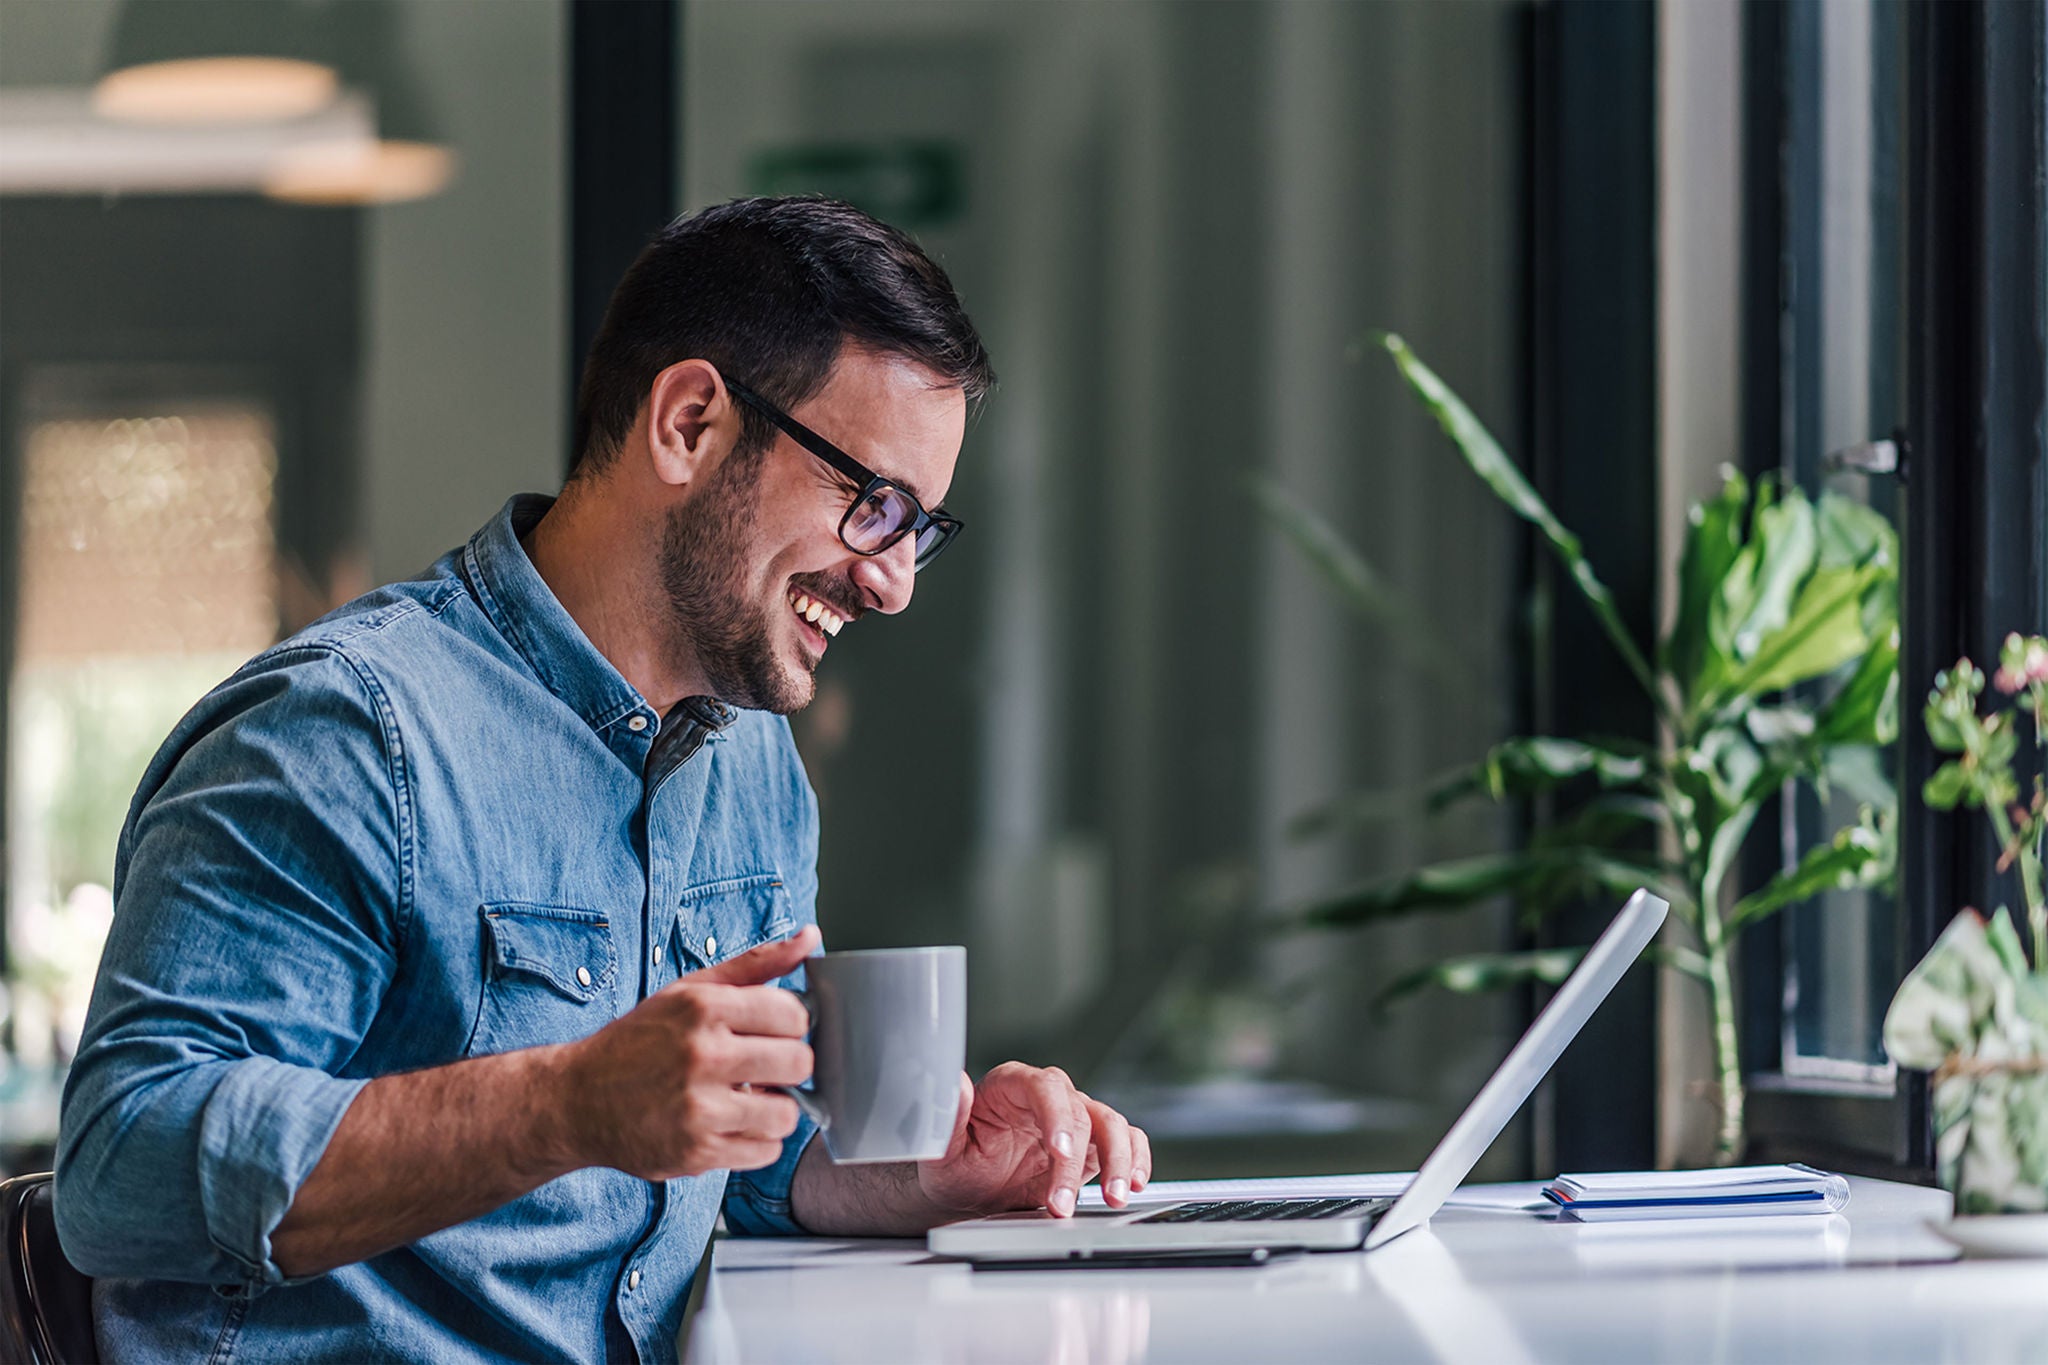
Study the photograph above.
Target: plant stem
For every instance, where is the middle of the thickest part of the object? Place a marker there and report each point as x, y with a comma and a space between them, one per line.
2030, 874
1727, 1056
2037, 913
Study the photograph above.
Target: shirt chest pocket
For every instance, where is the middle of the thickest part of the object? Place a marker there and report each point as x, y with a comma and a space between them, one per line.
550, 976
724, 918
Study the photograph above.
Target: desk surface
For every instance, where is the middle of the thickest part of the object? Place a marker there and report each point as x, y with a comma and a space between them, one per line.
1495, 1279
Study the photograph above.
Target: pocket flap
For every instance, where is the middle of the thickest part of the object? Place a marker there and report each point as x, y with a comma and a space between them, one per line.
720, 919
569, 949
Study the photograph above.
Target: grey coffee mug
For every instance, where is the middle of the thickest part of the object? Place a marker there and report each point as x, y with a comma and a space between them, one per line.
889, 1030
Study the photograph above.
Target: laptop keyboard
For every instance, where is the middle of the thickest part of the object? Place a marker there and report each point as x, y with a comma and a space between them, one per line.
1263, 1210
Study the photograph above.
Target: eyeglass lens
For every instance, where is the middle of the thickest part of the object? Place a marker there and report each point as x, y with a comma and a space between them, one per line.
877, 518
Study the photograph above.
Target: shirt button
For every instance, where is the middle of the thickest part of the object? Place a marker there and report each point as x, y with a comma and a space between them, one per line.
657, 954
711, 946
632, 1281
637, 724
583, 976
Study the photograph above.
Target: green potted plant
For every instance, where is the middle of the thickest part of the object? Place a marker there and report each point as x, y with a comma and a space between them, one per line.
1974, 1012
1780, 667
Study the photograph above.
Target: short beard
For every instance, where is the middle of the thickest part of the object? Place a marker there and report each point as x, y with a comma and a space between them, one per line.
704, 552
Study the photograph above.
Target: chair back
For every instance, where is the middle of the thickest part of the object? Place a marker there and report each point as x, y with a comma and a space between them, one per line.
45, 1303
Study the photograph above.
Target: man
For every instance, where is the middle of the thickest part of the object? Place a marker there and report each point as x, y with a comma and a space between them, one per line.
439, 1003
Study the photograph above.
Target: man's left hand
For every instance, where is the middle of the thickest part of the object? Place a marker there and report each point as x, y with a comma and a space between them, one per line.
1025, 1138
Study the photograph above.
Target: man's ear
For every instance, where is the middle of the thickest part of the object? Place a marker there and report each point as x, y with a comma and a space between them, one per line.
692, 422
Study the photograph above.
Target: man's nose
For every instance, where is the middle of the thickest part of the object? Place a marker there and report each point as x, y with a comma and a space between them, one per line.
888, 579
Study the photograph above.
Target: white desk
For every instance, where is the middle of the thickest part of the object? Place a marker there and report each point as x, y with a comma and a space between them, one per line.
1492, 1281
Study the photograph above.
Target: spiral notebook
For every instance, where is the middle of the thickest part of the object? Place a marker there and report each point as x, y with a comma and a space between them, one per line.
1726, 1192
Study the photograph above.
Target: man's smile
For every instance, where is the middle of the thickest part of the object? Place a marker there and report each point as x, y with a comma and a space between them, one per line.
816, 613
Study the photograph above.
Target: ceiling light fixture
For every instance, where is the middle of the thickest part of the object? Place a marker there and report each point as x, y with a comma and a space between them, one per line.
406, 160
204, 61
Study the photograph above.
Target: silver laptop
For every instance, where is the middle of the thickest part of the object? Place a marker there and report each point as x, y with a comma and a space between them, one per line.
1157, 1232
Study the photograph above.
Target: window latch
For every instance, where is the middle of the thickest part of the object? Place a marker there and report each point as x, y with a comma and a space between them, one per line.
1871, 457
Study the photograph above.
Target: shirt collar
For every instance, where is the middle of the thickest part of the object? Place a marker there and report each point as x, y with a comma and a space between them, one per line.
527, 613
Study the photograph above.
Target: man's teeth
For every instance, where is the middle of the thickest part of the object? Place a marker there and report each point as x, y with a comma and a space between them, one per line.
817, 613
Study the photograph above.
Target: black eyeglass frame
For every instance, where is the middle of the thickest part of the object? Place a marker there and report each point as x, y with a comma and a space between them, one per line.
869, 481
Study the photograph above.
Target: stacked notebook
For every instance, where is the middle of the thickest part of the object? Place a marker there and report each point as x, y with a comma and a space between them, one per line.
1732, 1191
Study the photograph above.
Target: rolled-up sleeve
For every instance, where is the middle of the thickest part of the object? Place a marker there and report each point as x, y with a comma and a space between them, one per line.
260, 901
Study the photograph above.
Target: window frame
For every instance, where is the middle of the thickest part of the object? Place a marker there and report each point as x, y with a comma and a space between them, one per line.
1975, 496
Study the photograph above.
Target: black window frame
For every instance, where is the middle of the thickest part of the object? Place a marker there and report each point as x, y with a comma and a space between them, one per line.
1975, 441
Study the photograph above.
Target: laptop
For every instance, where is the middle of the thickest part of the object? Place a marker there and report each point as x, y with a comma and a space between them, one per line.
1207, 1229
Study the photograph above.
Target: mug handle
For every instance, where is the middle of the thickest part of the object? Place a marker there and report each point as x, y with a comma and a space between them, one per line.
807, 1100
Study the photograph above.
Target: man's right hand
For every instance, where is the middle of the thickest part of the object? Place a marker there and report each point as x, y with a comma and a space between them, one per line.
664, 1091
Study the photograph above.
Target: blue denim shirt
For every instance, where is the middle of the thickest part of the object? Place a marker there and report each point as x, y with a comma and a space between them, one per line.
436, 824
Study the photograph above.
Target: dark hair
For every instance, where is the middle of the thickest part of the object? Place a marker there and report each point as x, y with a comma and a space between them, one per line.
769, 290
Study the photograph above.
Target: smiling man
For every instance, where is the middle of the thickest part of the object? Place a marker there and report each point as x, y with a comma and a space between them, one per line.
444, 983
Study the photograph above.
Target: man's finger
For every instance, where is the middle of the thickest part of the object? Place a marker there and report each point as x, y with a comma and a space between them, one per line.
760, 1010
755, 1060
1063, 1125
739, 1152
1113, 1146
762, 1116
1141, 1158
759, 966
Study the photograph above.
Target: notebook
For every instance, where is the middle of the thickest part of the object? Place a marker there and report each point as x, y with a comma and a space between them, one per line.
1729, 1191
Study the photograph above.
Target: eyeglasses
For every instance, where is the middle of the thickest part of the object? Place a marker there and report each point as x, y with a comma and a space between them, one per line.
882, 513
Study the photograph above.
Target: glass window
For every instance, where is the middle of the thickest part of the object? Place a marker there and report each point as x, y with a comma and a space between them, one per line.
247, 369
148, 573
1174, 223
1844, 388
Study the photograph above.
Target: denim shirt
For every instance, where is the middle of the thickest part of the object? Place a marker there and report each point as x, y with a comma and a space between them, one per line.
436, 824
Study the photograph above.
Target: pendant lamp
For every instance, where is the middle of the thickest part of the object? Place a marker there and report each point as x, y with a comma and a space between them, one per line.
216, 61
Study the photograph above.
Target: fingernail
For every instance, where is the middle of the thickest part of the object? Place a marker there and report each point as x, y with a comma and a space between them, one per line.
1063, 1202
1119, 1189
1138, 1179
1062, 1144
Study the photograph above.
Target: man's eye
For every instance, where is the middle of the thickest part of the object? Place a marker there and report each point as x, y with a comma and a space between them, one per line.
873, 511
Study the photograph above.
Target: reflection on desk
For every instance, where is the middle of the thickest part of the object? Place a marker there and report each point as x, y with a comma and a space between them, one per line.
1494, 1280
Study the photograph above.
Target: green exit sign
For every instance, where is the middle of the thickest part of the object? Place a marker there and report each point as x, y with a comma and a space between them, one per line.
910, 184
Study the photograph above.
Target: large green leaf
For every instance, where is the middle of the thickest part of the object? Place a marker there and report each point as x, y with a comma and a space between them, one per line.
1713, 539
1856, 856
1724, 843
1498, 472
1861, 771
1360, 585
1852, 534
1754, 596
1604, 821
1866, 710
1731, 762
1825, 631
1546, 874
1520, 766
1472, 973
